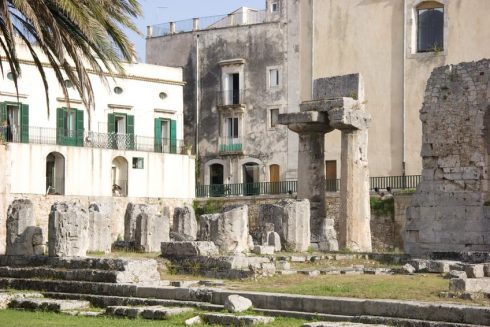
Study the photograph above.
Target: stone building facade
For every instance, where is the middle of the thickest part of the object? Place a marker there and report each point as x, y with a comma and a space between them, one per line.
450, 211
393, 44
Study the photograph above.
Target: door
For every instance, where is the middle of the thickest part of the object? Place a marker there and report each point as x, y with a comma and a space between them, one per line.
13, 123
236, 89
251, 179
331, 175
216, 187
274, 178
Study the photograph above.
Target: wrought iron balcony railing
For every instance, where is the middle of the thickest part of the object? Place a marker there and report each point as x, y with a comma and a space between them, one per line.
230, 97
230, 145
43, 135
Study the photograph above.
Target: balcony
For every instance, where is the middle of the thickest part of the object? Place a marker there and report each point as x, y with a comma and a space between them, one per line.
230, 145
231, 99
54, 136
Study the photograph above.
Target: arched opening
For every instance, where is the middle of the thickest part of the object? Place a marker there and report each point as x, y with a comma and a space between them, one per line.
119, 177
55, 174
430, 26
216, 177
274, 178
251, 178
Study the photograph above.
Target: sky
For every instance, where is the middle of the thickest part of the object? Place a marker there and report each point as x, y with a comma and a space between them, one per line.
162, 11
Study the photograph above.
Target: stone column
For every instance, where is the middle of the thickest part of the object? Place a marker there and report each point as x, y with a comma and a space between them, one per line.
355, 213
311, 186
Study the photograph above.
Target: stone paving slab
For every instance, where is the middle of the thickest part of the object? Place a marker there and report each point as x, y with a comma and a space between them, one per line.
6, 297
146, 312
232, 320
51, 305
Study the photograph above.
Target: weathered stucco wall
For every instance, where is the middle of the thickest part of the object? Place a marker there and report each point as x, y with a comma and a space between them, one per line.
346, 39
42, 207
450, 209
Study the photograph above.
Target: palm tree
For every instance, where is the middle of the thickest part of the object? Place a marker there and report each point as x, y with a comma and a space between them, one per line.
76, 37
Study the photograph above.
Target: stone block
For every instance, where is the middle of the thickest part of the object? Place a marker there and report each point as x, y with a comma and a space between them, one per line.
439, 266
474, 271
408, 269
99, 228
457, 274
133, 210
263, 250
151, 230
184, 221
22, 237
349, 86
188, 249
228, 229
231, 320
68, 230
274, 240
486, 269
237, 303
481, 285
193, 321
328, 240
420, 265
283, 265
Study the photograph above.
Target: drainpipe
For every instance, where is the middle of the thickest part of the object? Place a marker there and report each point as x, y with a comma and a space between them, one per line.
198, 87
404, 86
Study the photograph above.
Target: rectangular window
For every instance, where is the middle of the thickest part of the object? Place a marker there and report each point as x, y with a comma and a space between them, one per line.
232, 91
275, 7
430, 30
232, 127
274, 115
13, 122
138, 163
273, 77
120, 125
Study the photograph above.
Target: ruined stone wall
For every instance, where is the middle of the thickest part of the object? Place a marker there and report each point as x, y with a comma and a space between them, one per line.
450, 209
387, 230
42, 206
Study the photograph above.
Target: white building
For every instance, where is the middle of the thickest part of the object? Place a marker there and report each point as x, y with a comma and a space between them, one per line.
129, 148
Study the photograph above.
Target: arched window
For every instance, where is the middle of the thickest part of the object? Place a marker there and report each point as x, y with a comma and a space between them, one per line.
55, 174
430, 26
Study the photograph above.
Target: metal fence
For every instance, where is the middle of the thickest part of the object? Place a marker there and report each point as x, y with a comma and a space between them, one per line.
230, 97
57, 136
290, 187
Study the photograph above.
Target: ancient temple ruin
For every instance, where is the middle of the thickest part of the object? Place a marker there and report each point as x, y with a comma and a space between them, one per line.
338, 103
451, 209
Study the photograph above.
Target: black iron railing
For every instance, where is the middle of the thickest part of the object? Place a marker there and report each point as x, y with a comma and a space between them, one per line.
290, 187
58, 136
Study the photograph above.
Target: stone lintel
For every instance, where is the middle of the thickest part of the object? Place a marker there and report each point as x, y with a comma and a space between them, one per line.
308, 121
343, 118
325, 105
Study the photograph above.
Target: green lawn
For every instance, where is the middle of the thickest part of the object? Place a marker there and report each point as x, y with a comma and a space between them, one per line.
44, 319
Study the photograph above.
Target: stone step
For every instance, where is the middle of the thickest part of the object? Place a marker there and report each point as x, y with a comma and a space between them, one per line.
128, 270
232, 320
339, 324
103, 301
89, 275
156, 312
52, 305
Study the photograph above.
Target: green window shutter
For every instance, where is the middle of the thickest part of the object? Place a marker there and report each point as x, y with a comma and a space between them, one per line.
130, 131
111, 128
158, 135
173, 136
3, 112
79, 127
60, 126
24, 123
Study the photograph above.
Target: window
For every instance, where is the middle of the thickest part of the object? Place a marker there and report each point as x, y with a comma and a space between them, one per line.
118, 90
138, 163
273, 77
232, 127
165, 135
274, 115
69, 128
430, 27
232, 89
14, 122
275, 7
120, 128
120, 124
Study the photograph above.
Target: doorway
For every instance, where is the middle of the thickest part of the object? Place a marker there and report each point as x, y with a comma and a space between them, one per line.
55, 174
251, 178
331, 175
274, 173
119, 176
216, 187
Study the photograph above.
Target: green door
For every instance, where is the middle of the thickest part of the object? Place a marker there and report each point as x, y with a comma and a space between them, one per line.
173, 136
69, 127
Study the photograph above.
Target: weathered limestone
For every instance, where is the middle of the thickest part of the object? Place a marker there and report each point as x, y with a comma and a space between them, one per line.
184, 222
132, 212
450, 211
155, 312
23, 238
473, 285
338, 103
222, 319
99, 228
237, 303
273, 239
263, 250
228, 229
68, 229
51, 305
329, 241
291, 220
151, 230
188, 249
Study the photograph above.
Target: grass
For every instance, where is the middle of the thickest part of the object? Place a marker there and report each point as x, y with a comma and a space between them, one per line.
45, 319
396, 287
